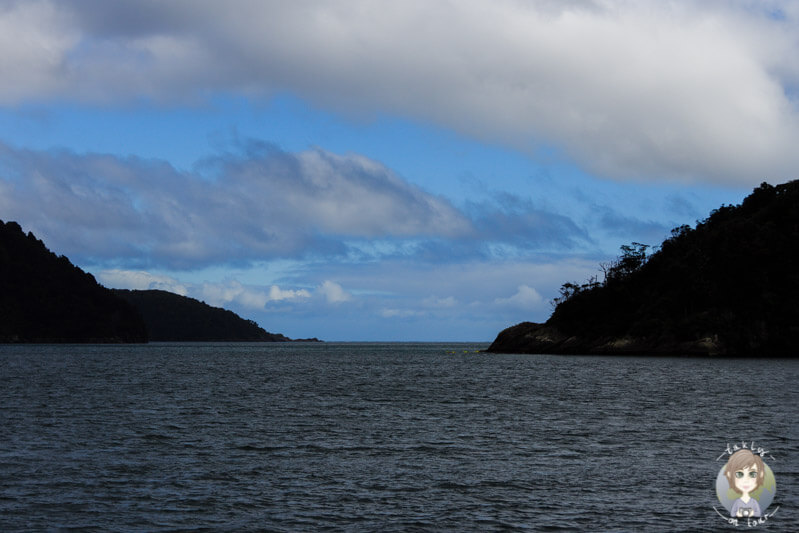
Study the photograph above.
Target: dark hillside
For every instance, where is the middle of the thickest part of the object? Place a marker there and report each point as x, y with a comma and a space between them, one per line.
728, 287
171, 317
45, 298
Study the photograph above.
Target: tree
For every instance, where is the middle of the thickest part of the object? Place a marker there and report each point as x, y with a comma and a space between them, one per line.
633, 257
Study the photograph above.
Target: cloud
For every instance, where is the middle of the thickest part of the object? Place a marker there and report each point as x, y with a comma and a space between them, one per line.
469, 287
388, 300
440, 303
333, 292
35, 38
221, 294
526, 298
399, 313
683, 90
141, 280
617, 224
276, 294
512, 220
233, 292
259, 204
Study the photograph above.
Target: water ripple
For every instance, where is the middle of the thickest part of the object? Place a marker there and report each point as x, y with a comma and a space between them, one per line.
378, 437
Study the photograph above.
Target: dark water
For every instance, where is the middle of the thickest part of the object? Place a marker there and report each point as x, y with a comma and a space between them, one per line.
381, 437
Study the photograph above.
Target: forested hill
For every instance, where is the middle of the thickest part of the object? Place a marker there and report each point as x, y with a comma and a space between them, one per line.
45, 298
171, 317
729, 286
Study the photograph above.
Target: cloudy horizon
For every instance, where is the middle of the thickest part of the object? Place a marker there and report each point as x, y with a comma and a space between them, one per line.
363, 170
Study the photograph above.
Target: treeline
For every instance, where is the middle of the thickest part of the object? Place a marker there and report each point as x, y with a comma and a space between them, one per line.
45, 298
171, 317
632, 258
727, 286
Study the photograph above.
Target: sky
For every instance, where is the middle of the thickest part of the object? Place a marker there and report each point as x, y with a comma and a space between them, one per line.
424, 170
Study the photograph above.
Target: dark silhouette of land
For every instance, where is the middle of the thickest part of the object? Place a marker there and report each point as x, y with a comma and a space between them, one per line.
45, 298
727, 287
171, 317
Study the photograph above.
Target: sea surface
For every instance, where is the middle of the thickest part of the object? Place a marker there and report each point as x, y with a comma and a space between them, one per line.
382, 437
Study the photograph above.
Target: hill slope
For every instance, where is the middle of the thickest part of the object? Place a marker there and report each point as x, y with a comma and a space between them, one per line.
727, 287
45, 298
171, 317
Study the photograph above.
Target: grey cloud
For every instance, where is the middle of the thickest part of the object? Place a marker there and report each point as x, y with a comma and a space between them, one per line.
260, 203
680, 90
257, 205
134, 19
682, 206
344, 195
505, 226
513, 220
618, 225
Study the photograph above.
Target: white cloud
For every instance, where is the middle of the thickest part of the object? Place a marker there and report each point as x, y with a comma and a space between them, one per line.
140, 280
684, 90
251, 297
442, 303
220, 294
276, 294
399, 313
526, 298
333, 292
381, 296
397, 289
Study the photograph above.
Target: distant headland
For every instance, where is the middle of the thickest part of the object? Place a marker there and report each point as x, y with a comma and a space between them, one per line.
44, 298
728, 287
171, 317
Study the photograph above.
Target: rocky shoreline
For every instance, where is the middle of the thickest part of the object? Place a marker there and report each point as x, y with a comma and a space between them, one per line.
534, 338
